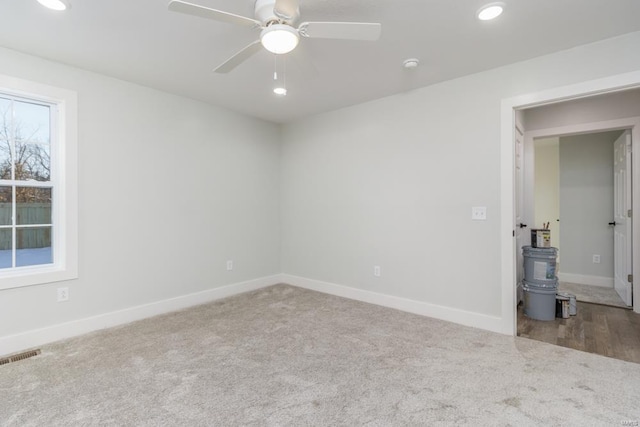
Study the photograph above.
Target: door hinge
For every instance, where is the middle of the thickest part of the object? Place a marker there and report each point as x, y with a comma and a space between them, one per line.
630, 278
629, 213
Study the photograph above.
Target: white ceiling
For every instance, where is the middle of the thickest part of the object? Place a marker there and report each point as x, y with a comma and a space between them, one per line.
141, 41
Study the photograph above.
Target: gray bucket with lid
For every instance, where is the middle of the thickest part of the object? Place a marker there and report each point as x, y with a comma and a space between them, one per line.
540, 265
539, 302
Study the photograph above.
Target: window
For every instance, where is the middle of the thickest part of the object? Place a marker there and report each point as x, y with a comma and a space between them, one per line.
38, 201
25, 182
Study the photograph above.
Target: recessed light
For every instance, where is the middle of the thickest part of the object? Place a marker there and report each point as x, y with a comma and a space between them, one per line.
55, 4
490, 11
280, 91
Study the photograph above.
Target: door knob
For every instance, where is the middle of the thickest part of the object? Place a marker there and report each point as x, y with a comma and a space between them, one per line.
521, 225
613, 223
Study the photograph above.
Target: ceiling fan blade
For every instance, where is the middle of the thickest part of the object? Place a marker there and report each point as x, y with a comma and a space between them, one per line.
341, 30
217, 15
288, 10
239, 57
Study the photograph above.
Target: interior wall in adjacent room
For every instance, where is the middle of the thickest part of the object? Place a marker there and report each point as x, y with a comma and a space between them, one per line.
586, 203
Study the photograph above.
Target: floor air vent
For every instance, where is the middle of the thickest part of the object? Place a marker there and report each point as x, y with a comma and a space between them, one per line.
19, 356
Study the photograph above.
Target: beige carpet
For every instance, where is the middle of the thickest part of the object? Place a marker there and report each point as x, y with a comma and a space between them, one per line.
288, 356
593, 294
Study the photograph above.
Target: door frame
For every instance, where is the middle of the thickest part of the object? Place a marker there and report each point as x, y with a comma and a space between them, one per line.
509, 107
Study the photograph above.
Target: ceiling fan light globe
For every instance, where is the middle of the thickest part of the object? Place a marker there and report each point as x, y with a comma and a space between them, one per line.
54, 4
279, 38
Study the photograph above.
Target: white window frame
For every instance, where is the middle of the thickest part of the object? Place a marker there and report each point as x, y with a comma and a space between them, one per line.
64, 169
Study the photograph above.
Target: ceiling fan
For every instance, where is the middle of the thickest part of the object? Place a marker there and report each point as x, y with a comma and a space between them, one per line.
276, 19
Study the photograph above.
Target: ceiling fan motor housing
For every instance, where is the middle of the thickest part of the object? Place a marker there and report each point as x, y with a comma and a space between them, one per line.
264, 12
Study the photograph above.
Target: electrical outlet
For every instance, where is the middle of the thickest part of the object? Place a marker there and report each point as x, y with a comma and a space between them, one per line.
63, 294
479, 213
229, 265
596, 259
376, 270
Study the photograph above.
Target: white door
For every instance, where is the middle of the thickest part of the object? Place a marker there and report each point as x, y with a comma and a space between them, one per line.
520, 231
622, 213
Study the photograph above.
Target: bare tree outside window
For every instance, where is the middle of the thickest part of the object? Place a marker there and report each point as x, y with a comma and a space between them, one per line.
24, 141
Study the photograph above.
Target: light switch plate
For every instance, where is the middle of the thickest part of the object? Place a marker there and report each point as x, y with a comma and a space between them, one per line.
479, 213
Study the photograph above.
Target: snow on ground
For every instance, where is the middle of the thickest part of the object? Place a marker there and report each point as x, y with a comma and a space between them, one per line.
25, 257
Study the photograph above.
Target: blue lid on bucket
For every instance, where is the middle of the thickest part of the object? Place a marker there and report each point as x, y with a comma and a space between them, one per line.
540, 251
541, 286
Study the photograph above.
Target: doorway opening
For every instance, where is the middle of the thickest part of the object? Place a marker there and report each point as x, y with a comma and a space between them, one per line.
579, 184
565, 113
575, 177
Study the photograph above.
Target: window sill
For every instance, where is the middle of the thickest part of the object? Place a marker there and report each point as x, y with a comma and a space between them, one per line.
30, 276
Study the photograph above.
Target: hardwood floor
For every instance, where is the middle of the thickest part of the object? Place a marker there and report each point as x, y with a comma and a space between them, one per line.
600, 329
593, 294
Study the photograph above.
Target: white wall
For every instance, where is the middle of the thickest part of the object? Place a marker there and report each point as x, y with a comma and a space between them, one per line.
586, 204
392, 182
169, 189
547, 187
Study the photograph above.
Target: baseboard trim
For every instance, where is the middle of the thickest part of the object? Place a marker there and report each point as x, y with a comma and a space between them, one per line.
581, 279
37, 337
454, 315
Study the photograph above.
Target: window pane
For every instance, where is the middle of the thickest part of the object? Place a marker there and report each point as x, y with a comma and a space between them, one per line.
5, 248
5, 158
33, 162
31, 122
5, 137
32, 141
5, 118
33, 205
33, 246
5, 205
